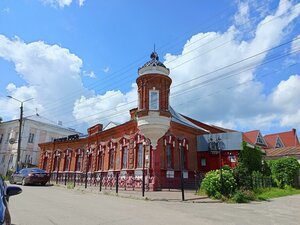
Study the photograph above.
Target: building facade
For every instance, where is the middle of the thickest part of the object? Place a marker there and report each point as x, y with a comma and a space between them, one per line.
156, 142
33, 133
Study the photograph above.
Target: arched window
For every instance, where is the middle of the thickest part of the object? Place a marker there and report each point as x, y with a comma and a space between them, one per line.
78, 162
124, 157
67, 160
140, 155
111, 159
45, 163
99, 164
183, 148
154, 100
169, 156
55, 163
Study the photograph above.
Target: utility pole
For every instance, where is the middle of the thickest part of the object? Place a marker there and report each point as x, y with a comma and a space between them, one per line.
20, 131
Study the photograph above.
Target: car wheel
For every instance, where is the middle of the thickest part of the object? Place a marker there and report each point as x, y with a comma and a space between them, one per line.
24, 182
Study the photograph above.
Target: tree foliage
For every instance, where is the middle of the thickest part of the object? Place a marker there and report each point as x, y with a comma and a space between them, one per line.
250, 160
285, 171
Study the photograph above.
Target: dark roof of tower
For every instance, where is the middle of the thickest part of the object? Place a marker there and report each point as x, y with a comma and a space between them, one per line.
154, 61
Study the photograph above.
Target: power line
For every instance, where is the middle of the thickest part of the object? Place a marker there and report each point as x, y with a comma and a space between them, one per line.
206, 51
182, 92
94, 85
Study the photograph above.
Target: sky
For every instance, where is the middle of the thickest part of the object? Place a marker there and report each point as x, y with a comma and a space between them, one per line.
233, 63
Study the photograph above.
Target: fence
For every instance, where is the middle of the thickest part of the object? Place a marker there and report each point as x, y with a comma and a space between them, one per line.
261, 182
121, 182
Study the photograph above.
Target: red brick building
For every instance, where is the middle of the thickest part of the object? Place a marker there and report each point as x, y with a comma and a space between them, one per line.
156, 140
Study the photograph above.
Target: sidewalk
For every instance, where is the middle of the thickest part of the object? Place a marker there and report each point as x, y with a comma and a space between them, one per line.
174, 195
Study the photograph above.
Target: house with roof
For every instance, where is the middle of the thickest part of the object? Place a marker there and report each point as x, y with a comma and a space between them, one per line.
35, 130
255, 138
282, 139
157, 142
277, 145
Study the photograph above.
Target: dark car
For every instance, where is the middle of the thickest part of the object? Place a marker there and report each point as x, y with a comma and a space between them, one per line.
5, 193
30, 176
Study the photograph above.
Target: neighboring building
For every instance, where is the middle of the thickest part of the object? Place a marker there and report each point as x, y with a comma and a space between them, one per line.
156, 138
276, 145
283, 139
255, 138
276, 140
275, 153
34, 131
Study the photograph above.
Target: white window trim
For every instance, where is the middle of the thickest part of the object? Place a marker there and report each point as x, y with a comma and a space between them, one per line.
150, 100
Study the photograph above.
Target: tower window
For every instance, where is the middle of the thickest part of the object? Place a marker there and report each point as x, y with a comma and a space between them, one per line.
154, 100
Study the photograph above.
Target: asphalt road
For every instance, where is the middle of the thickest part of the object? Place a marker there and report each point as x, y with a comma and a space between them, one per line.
55, 205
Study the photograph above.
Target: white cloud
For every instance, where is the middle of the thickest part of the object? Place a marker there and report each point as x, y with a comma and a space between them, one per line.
90, 74
52, 76
11, 87
286, 98
62, 3
5, 10
59, 3
81, 2
111, 106
242, 15
106, 70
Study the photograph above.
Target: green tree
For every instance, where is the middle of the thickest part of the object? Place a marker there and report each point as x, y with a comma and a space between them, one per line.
250, 160
285, 171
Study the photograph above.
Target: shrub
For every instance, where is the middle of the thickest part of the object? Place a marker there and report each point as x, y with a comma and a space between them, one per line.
212, 186
243, 196
285, 171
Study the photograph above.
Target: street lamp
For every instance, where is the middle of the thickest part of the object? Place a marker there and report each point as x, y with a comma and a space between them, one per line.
181, 168
20, 129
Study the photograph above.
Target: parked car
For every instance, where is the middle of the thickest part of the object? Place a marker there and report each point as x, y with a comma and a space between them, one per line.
5, 193
30, 176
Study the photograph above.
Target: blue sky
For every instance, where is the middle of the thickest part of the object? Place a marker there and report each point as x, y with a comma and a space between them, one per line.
233, 63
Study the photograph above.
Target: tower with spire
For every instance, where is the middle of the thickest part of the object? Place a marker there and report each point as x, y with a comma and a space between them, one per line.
153, 115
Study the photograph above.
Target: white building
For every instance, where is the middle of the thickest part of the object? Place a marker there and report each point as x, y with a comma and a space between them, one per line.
34, 131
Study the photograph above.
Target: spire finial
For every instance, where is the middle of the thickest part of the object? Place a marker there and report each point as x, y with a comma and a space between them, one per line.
154, 55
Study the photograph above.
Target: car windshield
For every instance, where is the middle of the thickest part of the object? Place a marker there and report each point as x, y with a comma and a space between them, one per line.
36, 170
